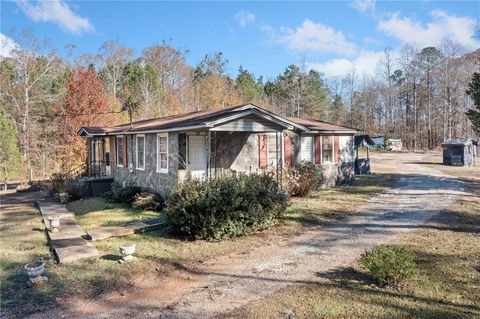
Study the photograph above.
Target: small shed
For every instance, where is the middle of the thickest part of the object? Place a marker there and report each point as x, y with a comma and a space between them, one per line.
460, 152
362, 165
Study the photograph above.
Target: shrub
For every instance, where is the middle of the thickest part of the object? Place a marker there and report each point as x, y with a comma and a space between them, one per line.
224, 206
389, 265
123, 194
56, 184
148, 201
301, 179
73, 189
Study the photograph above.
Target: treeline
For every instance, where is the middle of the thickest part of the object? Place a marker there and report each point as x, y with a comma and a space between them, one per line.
419, 96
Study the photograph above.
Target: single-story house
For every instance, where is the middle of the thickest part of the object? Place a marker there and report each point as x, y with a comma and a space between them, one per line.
157, 153
460, 152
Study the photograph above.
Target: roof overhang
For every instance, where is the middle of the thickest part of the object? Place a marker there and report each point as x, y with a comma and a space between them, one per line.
252, 111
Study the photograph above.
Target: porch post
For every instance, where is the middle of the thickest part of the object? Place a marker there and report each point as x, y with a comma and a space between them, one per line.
209, 150
276, 155
282, 157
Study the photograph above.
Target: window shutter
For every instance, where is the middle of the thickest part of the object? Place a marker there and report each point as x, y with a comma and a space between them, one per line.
125, 140
288, 151
262, 151
318, 160
336, 146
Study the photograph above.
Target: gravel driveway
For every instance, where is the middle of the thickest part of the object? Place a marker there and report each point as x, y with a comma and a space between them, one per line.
220, 285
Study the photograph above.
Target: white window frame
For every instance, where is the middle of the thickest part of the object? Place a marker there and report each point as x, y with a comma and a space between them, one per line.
332, 137
160, 169
312, 148
274, 137
136, 152
119, 137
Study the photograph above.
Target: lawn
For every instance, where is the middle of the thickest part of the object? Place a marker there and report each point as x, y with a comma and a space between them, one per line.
96, 212
23, 240
447, 284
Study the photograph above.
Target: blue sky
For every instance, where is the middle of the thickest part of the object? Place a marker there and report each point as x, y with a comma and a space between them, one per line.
264, 37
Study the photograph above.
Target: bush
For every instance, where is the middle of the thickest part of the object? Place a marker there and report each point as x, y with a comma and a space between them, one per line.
123, 194
148, 201
389, 265
56, 184
301, 179
224, 206
73, 189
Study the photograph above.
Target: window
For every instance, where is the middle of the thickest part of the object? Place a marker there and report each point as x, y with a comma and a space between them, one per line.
272, 149
306, 148
162, 152
140, 151
327, 149
119, 143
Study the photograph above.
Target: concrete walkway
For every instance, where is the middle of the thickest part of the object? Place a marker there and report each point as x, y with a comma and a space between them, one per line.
68, 243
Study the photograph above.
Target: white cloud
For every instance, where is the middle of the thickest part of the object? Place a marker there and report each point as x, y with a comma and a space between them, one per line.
316, 37
444, 25
363, 5
55, 11
244, 18
365, 63
7, 45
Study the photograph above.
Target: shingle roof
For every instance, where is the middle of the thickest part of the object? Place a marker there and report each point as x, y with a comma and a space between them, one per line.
201, 118
316, 125
182, 121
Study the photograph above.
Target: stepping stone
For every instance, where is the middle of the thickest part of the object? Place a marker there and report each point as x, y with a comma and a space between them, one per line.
129, 229
68, 243
106, 232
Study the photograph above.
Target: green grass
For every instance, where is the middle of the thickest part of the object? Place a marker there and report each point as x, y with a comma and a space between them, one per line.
23, 240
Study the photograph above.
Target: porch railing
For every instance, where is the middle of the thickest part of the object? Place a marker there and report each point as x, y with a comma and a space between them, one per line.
98, 168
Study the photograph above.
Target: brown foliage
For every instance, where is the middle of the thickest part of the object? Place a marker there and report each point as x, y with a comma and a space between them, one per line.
85, 104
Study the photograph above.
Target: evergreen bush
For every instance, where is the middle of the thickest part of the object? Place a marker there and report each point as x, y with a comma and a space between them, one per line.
389, 265
224, 206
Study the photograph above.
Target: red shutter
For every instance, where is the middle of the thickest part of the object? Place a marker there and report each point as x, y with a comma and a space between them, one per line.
288, 151
125, 141
318, 160
114, 143
336, 146
262, 151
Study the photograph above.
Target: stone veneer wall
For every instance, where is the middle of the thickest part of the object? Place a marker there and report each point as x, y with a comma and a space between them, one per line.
149, 178
236, 151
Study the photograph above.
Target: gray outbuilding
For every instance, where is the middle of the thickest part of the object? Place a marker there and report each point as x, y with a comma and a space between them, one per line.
460, 152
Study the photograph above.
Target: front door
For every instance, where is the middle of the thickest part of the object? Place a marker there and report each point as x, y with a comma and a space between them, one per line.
197, 155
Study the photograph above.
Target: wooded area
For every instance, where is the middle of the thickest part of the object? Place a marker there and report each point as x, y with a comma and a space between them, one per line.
418, 95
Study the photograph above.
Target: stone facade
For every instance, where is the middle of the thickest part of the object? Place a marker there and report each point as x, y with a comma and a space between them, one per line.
149, 178
236, 151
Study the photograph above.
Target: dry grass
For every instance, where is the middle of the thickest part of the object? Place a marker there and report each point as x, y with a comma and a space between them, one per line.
447, 284
96, 212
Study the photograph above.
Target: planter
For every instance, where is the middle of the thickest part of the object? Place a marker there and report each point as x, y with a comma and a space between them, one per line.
35, 271
64, 198
54, 223
127, 250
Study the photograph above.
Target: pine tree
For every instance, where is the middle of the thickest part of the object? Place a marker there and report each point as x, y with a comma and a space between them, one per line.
9, 153
474, 92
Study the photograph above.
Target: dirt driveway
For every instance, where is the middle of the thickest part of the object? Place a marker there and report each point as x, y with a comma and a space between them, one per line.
223, 284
